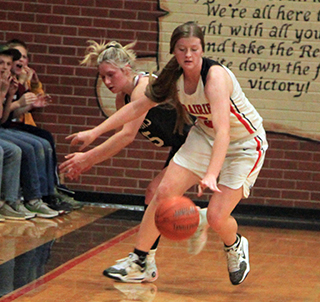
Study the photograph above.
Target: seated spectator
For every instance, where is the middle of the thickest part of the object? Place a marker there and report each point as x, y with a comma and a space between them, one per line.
23, 121
33, 161
10, 154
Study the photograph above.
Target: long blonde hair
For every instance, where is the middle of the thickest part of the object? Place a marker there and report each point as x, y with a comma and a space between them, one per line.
112, 52
164, 88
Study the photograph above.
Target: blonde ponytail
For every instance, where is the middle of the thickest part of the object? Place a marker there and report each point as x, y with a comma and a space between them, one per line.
112, 52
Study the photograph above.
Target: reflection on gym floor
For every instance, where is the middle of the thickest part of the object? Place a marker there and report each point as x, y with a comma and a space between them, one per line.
62, 259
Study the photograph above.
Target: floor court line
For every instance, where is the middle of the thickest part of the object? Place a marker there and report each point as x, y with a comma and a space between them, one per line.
67, 266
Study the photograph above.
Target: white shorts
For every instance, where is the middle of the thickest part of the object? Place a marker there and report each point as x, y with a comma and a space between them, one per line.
242, 164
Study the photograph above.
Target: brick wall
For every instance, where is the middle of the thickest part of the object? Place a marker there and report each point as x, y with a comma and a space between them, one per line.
56, 32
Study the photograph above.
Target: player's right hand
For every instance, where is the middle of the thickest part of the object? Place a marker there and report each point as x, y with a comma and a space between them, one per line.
86, 137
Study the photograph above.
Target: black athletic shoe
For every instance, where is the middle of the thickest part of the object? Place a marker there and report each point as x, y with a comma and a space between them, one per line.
56, 204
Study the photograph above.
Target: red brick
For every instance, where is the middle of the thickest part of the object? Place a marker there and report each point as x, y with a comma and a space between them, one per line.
106, 23
62, 50
294, 155
280, 184
56, 2
284, 164
49, 19
57, 70
81, 3
48, 39
283, 144
270, 193
316, 176
311, 186
121, 162
124, 14
298, 175
136, 25
150, 155
73, 81
66, 10
55, 89
110, 3
62, 30
95, 11
78, 21
21, 16
272, 173
153, 165
309, 166
315, 196
115, 34
92, 32
124, 182
11, 6
36, 28
139, 174
37, 8
138, 5
295, 195
9, 26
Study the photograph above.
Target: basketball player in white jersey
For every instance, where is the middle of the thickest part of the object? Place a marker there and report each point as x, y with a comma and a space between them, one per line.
224, 151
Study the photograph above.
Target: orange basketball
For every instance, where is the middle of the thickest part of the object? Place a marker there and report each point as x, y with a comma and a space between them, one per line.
177, 218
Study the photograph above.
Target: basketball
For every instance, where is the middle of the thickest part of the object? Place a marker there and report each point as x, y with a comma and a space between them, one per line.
177, 218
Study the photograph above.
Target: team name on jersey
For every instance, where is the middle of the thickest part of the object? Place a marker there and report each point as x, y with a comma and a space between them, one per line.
198, 108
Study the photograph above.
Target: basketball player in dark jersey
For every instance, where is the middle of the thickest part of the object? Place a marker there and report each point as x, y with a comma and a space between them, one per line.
116, 69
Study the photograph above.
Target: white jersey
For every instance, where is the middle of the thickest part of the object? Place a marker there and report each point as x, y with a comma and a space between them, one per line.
245, 121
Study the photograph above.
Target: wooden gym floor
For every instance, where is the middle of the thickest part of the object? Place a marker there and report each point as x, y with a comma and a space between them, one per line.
62, 259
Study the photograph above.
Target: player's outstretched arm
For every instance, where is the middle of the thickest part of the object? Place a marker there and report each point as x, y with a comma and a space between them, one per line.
126, 114
79, 162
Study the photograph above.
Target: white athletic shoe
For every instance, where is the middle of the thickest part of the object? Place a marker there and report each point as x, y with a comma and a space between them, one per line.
152, 270
238, 261
199, 239
131, 269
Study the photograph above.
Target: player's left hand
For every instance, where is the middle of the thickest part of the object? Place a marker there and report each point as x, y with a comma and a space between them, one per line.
75, 164
209, 181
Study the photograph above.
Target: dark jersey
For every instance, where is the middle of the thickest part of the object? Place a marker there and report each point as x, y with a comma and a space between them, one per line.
206, 64
158, 127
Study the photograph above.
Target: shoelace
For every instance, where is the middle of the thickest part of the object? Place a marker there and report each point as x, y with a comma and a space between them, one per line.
124, 261
37, 203
233, 260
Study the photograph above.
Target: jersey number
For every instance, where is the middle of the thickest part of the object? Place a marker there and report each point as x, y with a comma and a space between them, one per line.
155, 140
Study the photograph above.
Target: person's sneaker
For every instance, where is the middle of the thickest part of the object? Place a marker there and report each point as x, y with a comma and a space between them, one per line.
145, 292
65, 190
238, 260
38, 207
76, 205
130, 269
151, 269
56, 204
9, 213
20, 208
199, 239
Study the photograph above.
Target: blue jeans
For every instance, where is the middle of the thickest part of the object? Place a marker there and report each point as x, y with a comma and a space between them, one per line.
29, 174
47, 186
10, 162
47, 136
